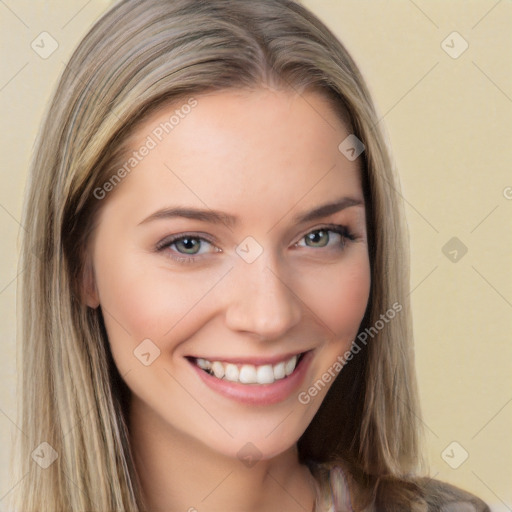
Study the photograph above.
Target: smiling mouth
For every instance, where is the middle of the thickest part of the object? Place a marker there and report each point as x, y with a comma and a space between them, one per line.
249, 373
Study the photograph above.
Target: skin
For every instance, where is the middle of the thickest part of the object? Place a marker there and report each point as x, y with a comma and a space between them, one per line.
264, 156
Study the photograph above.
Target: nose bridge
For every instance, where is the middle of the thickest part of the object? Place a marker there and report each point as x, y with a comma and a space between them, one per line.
260, 300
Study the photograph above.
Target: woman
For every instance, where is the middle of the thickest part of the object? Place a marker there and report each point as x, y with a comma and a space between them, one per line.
271, 367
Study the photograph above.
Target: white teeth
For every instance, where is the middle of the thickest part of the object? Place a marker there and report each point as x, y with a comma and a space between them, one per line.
232, 372
204, 364
218, 369
290, 365
265, 374
279, 372
248, 373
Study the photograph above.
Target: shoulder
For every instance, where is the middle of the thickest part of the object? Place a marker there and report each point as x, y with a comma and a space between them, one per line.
421, 494
444, 497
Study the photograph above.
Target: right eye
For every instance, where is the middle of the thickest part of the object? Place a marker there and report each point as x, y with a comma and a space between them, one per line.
186, 245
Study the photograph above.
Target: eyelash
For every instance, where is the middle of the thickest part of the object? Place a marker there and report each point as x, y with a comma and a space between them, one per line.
341, 230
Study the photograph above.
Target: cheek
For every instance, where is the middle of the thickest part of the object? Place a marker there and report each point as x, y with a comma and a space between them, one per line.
339, 295
140, 301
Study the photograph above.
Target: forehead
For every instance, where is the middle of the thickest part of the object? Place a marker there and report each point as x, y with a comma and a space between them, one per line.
240, 145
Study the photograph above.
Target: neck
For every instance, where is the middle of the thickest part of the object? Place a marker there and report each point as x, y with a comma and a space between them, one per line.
178, 472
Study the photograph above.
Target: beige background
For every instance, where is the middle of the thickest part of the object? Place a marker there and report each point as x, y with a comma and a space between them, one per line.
449, 123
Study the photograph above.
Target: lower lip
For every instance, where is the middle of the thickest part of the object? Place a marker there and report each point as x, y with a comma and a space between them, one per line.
258, 394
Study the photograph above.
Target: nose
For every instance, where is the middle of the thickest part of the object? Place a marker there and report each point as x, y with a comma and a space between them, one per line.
260, 301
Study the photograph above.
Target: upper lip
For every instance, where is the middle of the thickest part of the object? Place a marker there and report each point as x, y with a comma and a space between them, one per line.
256, 361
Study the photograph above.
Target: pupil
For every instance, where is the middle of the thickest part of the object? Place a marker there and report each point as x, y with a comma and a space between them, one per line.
188, 244
318, 236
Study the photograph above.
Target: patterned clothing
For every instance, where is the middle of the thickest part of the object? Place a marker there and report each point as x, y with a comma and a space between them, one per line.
332, 489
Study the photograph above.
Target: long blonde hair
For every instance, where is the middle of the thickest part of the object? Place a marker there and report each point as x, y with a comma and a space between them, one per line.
139, 55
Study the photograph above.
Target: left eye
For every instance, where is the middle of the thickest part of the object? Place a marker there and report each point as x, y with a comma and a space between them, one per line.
321, 237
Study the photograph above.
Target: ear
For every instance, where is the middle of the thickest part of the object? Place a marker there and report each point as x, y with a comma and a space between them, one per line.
89, 290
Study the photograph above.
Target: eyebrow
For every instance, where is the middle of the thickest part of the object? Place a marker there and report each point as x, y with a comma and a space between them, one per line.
217, 217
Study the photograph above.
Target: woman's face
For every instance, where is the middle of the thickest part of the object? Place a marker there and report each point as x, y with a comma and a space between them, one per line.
236, 241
